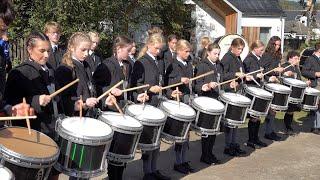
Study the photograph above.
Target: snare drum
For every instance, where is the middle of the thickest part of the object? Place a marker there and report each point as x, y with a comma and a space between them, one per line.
84, 143
297, 89
180, 116
29, 157
236, 106
5, 173
127, 131
209, 113
260, 101
280, 96
153, 120
310, 99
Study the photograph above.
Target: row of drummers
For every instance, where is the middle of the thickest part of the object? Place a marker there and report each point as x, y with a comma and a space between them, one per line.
85, 142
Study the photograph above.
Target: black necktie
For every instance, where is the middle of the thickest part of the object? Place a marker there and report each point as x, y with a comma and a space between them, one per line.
55, 48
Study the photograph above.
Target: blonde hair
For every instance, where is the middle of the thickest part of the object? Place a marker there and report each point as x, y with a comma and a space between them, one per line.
75, 39
93, 34
204, 41
52, 25
153, 39
155, 30
183, 44
256, 44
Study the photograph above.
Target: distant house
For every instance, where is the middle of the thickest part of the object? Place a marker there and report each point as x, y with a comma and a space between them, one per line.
254, 19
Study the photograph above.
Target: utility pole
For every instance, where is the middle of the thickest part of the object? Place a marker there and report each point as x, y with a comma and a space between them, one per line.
310, 16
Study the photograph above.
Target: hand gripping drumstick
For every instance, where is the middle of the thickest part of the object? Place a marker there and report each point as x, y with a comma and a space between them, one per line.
116, 104
275, 69
27, 114
80, 108
63, 88
191, 79
107, 92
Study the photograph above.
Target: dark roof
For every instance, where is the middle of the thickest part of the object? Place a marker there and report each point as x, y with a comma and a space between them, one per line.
291, 15
250, 8
295, 27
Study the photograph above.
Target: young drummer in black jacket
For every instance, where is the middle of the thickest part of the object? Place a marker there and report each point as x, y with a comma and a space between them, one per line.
208, 86
180, 71
271, 60
311, 70
252, 63
292, 72
233, 66
93, 59
150, 70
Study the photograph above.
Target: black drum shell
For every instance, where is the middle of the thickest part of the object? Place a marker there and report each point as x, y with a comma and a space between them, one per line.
24, 173
309, 100
149, 134
123, 144
207, 121
296, 92
258, 104
176, 128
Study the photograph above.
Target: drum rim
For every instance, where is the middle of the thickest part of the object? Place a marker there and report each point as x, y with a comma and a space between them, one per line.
247, 90
85, 140
267, 87
4, 152
80, 174
11, 176
286, 81
208, 111
113, 124
174, 115
312, 93
241, 104
149, 121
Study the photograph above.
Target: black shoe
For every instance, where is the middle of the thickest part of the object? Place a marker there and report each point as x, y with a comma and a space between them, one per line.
272, 137
214, 159
159, 176
188, 166
230, 152
149, 176
251, 144
238, 150
181, 168
260, 143
275, 136
206, 160
315, 131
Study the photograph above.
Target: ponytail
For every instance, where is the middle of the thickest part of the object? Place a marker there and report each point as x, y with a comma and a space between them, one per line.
143, 51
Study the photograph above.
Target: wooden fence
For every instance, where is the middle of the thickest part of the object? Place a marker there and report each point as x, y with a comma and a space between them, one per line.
18, 51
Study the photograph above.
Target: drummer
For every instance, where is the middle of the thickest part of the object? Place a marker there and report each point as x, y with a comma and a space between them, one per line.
107, 74
251, 63
208, 86
311, 70
271, 59
293, 71
232, 65
150, 70
180, 70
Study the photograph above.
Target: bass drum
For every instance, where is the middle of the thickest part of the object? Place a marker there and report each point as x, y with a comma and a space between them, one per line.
305, 53
225, 43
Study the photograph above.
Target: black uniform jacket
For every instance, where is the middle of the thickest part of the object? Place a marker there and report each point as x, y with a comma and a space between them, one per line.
29, 80
309, 68
204, 67
93, 61
56, 57
175, 71
147, 71
269, 62
109, 73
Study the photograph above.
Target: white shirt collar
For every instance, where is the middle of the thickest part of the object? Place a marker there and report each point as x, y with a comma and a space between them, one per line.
180, 60
154, 58
77, 60
90, 52
256, 55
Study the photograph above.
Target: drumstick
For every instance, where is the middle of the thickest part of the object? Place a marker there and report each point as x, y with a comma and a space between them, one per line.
191, 79
116, 104
107, 92
81, 105
230, 80
144, 99
27, 114
64, 88
178, 97
275, 69
9, 118
135, 88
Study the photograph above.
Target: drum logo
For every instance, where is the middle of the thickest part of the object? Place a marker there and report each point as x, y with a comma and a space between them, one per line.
40, 174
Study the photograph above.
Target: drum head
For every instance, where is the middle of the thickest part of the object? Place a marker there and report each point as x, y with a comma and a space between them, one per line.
312, 91
5, 173
235, 98
124, 122
36, 145
278, 88
259, 92
208, 104
146, 113
295, 82
225, 43
183, 110
87, 127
